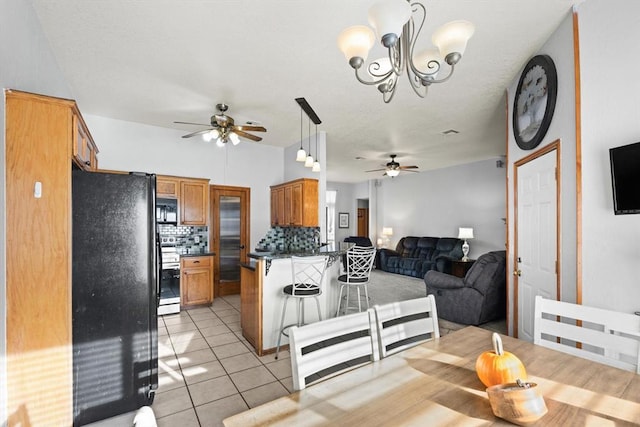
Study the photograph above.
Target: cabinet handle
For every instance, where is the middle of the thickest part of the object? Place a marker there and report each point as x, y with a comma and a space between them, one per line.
88, 163
196, 262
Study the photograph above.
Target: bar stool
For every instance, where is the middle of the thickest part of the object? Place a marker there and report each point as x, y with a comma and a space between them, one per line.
358, 268
307, 274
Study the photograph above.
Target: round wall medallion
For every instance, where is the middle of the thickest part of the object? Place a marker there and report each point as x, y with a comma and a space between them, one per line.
535, 101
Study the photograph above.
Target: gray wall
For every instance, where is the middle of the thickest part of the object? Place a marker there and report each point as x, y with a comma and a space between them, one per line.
27, 64
609, 32
560, 47
434, 203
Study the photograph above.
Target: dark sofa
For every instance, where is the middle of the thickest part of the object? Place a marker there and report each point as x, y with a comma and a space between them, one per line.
478, 297
414, 256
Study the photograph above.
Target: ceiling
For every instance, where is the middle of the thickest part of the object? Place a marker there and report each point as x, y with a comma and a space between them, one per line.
160, 61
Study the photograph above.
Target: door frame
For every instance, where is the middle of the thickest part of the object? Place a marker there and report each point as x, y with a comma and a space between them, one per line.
214, 230
555, 145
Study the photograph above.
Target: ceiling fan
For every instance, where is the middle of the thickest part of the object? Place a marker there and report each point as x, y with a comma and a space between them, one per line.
393, 168
223, 129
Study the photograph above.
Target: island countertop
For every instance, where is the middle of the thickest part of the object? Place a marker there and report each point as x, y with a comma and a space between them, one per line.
277, 254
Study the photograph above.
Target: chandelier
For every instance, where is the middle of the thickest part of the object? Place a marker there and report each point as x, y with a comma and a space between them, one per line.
394, 23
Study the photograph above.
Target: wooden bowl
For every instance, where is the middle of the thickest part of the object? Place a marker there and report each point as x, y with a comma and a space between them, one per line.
517, 404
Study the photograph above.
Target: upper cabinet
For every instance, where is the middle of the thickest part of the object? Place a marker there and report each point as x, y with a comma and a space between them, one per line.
85, 151
192, 195
295, 203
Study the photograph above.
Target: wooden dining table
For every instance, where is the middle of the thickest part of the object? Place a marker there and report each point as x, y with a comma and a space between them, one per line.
435, 384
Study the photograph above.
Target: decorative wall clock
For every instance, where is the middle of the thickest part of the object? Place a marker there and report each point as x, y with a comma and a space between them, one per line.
535, 101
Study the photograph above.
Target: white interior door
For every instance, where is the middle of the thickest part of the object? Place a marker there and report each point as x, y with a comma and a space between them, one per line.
536, 231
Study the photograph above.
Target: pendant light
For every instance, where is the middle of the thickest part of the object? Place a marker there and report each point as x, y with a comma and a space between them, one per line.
316, 164
302, 155
308, 163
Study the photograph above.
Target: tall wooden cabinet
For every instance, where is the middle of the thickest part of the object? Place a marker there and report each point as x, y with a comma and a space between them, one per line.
192, 195
295, 203
196, 280
43, 136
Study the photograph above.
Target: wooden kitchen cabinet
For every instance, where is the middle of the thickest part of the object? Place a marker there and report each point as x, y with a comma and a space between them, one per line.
196, 281
296, 203
41, 137
85, 151
167, 187
193, 202
192, 195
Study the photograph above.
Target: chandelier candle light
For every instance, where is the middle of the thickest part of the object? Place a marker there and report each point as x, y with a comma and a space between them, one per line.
465, 233
394, 23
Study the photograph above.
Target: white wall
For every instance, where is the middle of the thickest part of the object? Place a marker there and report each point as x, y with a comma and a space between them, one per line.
437, 202
27, 64
560, 48
609, 34
136, 147
345, 202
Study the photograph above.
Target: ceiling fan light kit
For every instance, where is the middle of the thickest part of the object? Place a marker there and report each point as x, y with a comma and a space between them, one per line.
222, 129
393, 168
395, 24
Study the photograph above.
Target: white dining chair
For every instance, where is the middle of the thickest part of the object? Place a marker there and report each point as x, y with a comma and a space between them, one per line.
600, 335
307, 275
359, 262
405, 324
327, 348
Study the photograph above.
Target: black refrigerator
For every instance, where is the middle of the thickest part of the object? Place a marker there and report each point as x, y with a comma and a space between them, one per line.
114, 294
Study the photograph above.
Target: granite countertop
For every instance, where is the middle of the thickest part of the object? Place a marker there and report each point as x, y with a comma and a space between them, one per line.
198, 254
276, 254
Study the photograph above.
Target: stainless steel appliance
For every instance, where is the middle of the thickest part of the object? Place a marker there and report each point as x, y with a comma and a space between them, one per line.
166, 211
114, 294
170, 276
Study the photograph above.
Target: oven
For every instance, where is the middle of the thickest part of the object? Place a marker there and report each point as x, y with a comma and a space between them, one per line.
170, 277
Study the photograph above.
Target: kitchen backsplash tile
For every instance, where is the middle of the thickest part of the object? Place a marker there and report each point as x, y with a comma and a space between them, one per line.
189, 240
290, 239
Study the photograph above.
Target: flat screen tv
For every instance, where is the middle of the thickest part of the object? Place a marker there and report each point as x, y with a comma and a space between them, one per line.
625, 177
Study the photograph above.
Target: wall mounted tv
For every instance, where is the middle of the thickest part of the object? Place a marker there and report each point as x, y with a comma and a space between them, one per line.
625, 177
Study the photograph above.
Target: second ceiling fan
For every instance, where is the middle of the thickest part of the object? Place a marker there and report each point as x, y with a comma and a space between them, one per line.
223, 129
393, 168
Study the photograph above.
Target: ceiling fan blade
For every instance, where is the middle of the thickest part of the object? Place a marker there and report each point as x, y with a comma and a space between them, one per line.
377, 170
189, 123
409, 170
250, 128
408, 167
200, 132
247, 135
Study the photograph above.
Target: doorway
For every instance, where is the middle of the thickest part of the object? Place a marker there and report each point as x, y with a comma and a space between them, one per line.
537, 203
229, 236
363, 218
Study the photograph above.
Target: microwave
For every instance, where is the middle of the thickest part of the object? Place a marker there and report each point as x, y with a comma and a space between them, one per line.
166, 211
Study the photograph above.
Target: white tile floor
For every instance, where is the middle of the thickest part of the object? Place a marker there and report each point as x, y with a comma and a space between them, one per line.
208, 371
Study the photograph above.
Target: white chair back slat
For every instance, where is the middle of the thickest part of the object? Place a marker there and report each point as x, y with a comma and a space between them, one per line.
605, 336
359, 262
307, 273
336, 344
405, 324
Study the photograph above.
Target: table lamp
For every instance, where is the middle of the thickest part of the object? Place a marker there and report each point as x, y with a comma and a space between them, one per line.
465, 233
386, 232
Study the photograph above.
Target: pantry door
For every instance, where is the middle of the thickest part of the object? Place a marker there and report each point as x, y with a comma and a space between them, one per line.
229, 236
536, 268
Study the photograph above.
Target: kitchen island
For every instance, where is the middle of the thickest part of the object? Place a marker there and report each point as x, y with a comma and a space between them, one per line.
261, 299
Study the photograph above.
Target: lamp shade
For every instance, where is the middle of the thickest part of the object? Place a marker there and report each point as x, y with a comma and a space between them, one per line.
301, 156
308, 162
465, 233
453, 37
393, 172
235, 139
316, 166
389, 16
356, 41
387, 231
